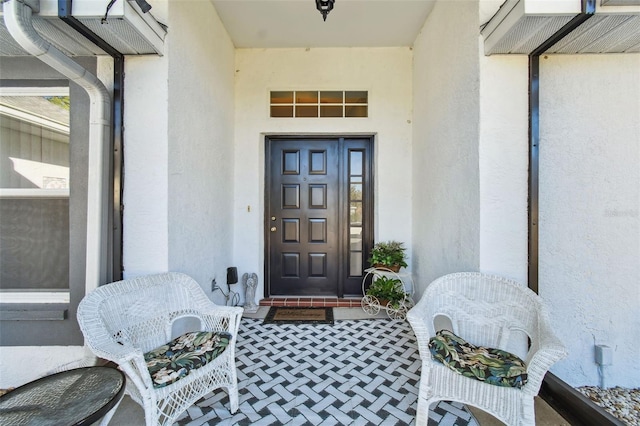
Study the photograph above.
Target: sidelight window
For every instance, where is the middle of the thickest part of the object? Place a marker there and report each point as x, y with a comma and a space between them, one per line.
356, 222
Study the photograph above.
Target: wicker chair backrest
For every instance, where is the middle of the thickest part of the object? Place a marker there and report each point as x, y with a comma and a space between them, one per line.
140, 312
483, 309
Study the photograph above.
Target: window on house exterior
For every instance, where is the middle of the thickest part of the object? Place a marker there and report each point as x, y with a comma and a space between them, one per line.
356, 211
45, 165
323, 103
34, 193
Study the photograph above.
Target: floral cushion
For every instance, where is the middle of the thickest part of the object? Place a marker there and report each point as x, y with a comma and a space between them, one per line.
488, 365
173, 361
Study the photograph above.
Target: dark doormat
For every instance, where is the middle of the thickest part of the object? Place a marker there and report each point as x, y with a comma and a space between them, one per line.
282, 315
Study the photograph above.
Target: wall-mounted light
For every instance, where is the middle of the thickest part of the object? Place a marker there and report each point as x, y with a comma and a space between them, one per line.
324, 6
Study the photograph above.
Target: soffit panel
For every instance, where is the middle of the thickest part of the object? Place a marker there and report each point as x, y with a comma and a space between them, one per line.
297, 23
520, 28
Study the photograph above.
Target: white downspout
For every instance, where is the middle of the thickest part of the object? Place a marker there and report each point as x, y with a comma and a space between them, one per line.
17, 18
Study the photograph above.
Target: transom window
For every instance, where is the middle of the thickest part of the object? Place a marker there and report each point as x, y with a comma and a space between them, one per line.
324, 103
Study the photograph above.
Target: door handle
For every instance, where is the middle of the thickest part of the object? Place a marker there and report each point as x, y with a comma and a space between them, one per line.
273, 229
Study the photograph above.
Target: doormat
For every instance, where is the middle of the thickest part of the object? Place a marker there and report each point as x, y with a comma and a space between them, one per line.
282, 315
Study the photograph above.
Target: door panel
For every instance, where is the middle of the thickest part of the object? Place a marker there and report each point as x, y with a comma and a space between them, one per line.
314, 245
304, 217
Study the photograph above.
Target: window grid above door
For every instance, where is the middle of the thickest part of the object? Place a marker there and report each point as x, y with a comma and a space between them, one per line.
316, 103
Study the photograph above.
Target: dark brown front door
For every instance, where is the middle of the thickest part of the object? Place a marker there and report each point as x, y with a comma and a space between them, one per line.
309, 220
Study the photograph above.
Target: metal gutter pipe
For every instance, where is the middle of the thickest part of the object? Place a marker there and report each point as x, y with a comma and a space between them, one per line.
115, 142
588, 9
17, 17
563, 398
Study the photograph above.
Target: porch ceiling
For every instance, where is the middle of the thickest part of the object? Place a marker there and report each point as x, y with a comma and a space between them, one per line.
297, 23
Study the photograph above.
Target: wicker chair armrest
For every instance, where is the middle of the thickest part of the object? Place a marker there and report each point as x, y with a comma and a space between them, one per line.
547, 338
546, 330
114, 351
540, 363
420, 328
222, 318
129, 358
550, 342
136, 369
421, 308
549, 351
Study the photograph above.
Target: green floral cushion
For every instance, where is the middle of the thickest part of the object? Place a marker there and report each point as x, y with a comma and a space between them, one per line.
173, 361
489, 365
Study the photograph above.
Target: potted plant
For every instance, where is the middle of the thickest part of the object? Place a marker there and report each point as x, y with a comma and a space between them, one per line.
387, 290
388, 254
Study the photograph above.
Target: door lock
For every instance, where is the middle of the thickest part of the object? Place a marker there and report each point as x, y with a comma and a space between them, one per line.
273, 229
273, 218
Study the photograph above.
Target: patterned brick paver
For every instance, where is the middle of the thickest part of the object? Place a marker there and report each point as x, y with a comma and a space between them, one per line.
355, 372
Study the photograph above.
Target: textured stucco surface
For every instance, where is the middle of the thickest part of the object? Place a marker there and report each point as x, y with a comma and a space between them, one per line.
446, 198
503, 159
145, 197
179, 149
590, 211
145, 241
200, 143
384, 72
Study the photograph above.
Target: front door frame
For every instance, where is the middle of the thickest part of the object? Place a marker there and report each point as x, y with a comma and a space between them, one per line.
344, 234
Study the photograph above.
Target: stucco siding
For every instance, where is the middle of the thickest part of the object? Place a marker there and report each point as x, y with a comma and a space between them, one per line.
446, 199
178, 192
200, 143
145, 197
590, 211
503, 159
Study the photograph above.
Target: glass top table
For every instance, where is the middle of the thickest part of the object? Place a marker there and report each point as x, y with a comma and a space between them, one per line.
80, 396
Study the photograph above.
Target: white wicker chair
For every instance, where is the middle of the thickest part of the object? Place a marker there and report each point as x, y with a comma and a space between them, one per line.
123, 320
484, 310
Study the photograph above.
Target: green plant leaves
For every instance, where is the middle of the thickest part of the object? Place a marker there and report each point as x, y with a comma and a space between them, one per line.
386, 288
388, 253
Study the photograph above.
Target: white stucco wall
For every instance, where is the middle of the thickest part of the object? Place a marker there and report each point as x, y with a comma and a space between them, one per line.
200, 143
145, 244
179, 149
384, 72
446, 198
504, 164
145, 196
590, 211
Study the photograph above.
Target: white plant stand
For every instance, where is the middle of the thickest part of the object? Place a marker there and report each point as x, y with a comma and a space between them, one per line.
371, 305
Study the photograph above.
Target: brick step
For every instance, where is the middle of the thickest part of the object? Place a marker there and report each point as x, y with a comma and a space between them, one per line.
314, 302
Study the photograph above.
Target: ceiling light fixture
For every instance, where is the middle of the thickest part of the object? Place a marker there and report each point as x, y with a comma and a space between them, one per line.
324, 6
